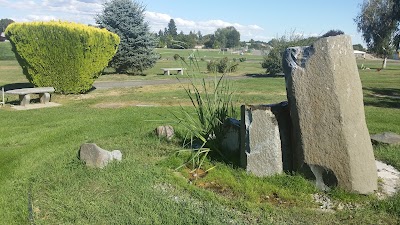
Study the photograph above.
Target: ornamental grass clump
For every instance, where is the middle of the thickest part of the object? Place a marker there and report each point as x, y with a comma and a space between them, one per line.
64, 55
213, 103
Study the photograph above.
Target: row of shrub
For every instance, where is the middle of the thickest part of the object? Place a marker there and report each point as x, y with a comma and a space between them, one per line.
64, 55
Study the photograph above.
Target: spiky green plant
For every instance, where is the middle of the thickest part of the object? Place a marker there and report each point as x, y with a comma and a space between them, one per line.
213, 103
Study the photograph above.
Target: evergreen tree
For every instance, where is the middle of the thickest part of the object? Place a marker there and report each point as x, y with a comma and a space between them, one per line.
172, 28
136, 50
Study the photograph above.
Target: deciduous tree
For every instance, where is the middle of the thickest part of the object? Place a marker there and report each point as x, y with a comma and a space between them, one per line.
4, 23
228, 37
378, 21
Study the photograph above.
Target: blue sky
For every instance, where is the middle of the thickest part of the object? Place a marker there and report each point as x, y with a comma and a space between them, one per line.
255, 19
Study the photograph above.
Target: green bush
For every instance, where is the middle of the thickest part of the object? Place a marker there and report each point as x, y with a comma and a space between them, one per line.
63, 55
222, 66
273, 62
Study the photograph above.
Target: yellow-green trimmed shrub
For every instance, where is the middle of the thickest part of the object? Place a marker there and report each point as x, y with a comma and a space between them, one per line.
66, 56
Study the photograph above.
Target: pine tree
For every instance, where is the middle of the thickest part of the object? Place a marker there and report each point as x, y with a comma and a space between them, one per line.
136, 50
172, 30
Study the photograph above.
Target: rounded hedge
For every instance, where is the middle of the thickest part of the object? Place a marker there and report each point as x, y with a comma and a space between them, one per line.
64, 55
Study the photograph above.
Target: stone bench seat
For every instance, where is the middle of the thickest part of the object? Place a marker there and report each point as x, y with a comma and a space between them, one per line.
24, 94
167, 70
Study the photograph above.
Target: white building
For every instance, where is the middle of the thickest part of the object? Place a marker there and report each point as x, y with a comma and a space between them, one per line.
359, 54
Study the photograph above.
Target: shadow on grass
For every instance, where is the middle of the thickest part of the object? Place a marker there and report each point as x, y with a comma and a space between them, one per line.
111, 71
17, 86
383, 97
264, 75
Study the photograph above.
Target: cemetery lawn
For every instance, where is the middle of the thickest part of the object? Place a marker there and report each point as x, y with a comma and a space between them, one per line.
43, 182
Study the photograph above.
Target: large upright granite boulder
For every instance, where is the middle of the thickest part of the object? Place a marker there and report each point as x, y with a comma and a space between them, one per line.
326, 106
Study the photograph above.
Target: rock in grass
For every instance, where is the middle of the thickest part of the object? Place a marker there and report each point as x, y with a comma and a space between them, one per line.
386, 138
94, 156
265, 137
166, 131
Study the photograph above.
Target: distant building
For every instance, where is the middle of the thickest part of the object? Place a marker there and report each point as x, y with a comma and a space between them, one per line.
199, 46
359, 54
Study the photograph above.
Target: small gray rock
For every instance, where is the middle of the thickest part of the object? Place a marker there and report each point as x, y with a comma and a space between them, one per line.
94, 156
117, 155
166, 131
386, 138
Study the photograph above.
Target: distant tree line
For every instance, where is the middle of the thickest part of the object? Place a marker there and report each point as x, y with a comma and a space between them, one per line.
227, 37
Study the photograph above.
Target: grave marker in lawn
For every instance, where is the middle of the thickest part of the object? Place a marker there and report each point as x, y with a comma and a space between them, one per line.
230, 143
166, 131
327, 112
386, 138
265, 139
94, 156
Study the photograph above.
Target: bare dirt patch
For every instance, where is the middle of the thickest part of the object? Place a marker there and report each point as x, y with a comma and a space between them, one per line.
95, 94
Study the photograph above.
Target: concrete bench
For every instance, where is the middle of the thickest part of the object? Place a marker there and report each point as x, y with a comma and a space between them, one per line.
2, 96
166, 70
24, 94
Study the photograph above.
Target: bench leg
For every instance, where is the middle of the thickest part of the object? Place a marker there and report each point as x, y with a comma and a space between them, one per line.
166, 72
180, 72
25, 99
44, 98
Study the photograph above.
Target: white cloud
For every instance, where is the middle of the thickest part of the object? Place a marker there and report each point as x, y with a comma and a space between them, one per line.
185, 23
157, 17
18, 5
256, 27
40, 18
90, 7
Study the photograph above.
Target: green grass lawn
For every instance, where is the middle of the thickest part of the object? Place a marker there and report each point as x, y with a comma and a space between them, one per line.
42, 179
5, 51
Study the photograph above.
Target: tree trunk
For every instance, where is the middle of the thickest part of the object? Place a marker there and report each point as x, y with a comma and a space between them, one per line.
384, 62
